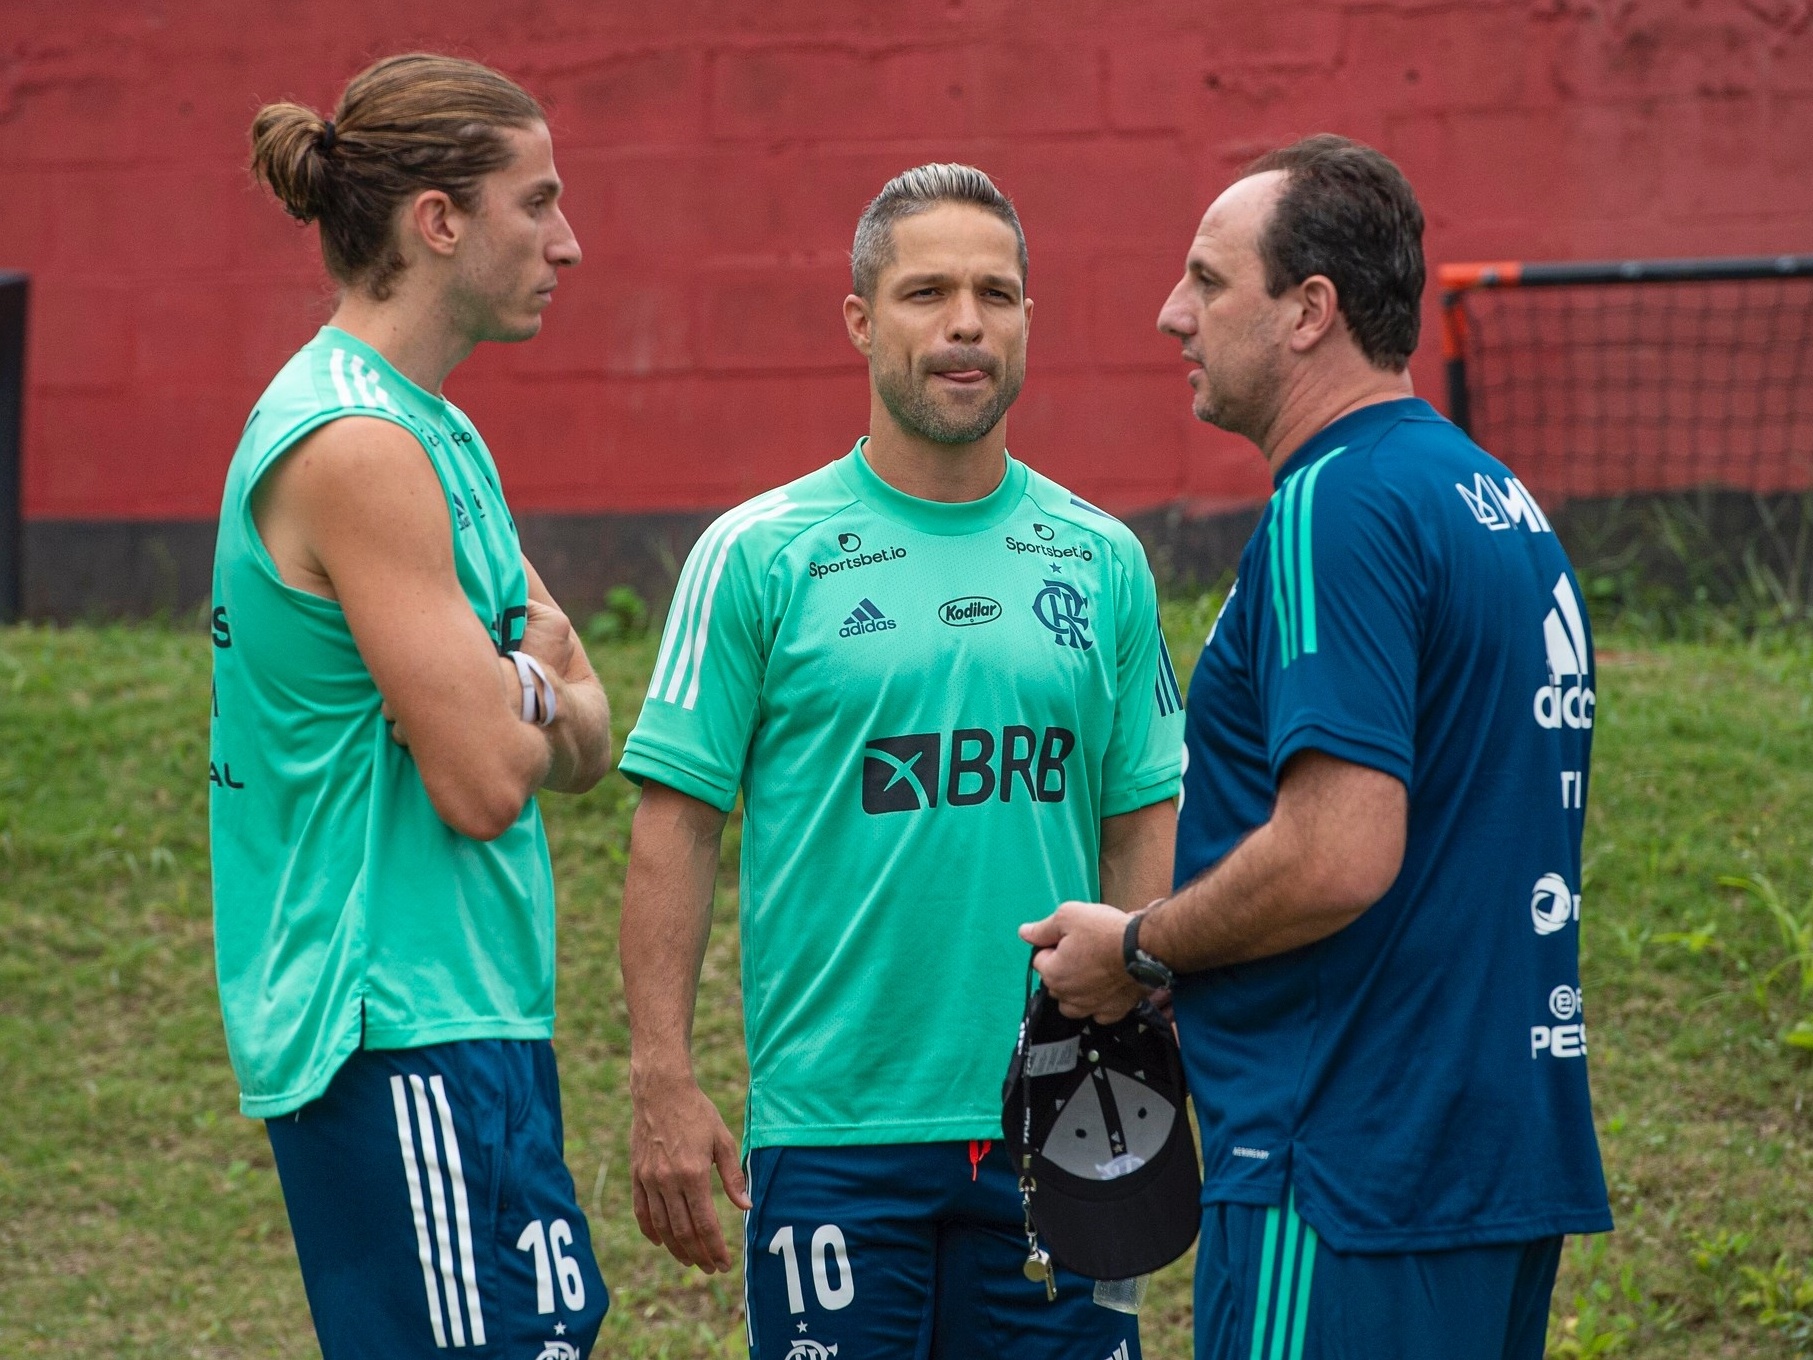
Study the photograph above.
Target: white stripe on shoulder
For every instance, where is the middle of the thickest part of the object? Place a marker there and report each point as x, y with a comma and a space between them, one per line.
688, 613
462, 1217
703, 632
437, 1196
412, 1178
336, 365
686, 592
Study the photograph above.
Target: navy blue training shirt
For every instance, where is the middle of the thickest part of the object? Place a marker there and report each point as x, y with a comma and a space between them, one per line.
1419, 1077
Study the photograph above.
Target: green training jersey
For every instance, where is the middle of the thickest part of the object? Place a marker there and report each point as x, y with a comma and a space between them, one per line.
929, 709
345, 911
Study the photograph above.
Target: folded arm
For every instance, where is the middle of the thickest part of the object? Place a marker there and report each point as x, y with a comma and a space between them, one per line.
355, 513
580, 736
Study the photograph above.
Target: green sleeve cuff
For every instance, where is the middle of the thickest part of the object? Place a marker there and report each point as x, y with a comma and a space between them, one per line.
639, 763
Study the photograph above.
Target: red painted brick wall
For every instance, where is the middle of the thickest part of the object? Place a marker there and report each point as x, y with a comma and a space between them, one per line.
718, 155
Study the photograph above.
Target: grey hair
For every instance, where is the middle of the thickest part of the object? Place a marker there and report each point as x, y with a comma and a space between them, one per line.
912, 192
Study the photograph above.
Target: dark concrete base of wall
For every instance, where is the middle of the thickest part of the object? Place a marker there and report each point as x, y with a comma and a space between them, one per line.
95, 569
1712, 541
79, 569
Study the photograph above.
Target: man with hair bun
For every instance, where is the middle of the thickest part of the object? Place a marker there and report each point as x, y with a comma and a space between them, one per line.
937, 679
392, 686
1375, 928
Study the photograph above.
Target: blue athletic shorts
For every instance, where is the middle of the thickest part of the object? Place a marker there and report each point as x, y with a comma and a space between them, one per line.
432, 1207
908, 1252
1267, 1288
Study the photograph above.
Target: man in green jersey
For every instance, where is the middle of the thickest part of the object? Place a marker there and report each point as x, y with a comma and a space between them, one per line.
938, 680
392, 685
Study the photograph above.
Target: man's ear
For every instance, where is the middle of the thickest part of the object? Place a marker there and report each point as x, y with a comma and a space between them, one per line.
434, 220
1321, 310
860, 324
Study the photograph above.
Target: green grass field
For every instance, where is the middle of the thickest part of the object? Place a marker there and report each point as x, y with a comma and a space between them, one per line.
140, 1215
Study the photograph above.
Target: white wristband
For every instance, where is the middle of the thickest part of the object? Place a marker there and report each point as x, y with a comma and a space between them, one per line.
539, 704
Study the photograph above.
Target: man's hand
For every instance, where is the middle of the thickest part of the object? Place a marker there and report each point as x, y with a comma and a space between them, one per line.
676, 1136
398, 733
548, 636
1080, 960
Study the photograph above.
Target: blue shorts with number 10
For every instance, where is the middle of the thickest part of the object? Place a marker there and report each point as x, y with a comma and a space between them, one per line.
907, 1252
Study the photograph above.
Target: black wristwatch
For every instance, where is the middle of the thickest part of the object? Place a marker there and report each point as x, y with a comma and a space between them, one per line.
1147, 971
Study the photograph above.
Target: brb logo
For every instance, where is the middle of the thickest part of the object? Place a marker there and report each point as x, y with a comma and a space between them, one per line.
1553, 904
1061, 607
805, 1348
1566, 700
902, 774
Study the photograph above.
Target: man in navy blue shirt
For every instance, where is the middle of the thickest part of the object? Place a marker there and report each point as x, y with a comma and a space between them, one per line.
1375, 933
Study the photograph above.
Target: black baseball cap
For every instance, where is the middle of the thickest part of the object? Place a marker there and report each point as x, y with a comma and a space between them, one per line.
1094, 1117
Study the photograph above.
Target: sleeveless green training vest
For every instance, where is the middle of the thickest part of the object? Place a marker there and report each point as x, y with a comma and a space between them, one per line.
346, 913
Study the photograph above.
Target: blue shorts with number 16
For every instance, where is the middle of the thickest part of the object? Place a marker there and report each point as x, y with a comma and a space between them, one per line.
432, 1209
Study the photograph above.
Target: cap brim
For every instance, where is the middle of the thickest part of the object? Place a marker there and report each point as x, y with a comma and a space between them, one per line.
1114, 1230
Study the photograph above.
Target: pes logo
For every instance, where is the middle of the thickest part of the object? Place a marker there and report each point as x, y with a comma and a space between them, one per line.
903, 774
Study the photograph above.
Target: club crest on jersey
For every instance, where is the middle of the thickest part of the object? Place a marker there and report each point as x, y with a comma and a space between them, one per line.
1061, 607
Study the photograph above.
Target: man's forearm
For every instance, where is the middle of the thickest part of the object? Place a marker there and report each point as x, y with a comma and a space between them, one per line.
1252, 904
666, 922
580, 738
1332, 848
1137, 852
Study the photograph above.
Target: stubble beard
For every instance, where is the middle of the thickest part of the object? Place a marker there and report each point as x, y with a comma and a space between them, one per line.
1247, 406
908, 397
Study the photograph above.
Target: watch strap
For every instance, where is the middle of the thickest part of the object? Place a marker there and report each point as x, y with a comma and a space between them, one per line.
1130, 939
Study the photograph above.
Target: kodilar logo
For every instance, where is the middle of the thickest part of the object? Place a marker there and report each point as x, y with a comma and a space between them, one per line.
1061, 607
969, 610
1567, 700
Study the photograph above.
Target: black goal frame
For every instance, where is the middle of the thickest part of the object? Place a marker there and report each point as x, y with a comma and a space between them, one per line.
14, 290
1457, 280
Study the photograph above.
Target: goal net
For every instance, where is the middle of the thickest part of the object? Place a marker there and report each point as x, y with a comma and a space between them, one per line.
1649, 404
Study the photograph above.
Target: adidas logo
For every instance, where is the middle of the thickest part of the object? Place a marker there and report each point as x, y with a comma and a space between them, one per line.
865, 618
1566, 700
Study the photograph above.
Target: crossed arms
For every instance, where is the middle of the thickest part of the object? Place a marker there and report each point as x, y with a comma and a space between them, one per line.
355, 513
